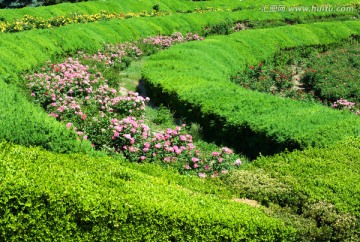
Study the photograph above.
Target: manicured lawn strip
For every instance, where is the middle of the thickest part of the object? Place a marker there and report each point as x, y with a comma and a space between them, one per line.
27, 48
196, 76
27, 22
76, 197
94, 7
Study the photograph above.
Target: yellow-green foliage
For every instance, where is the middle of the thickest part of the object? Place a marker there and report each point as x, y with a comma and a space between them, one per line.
75, 198
137, 6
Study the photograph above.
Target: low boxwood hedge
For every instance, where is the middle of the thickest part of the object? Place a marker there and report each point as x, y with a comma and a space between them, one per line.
76, 198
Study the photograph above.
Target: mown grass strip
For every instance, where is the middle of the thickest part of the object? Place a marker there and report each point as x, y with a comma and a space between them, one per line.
93, 7
27, 50
73, 14
76, 197
194, 78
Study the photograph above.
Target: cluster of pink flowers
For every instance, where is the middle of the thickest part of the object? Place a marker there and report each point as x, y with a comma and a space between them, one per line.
83, 99
172, 147
114, 54
64, 89
70, 92
345, 104
163, 42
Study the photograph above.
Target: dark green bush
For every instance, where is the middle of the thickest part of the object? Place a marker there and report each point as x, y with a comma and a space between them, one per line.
72, 198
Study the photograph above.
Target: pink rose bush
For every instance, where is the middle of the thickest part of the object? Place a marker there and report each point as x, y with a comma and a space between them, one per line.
81, 98
120, 55
345, 104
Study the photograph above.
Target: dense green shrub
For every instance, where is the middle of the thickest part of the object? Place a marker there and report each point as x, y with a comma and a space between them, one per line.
335, 74
62, 197
249, 121
23, 123
327, 75
319, 185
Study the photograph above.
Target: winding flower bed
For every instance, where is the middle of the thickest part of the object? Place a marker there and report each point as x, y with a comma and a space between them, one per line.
82, 98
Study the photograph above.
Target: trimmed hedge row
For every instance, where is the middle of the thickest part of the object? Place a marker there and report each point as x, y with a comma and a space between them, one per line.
23, 123
93, 7
29, 50
72, 198
194, 78
319, 184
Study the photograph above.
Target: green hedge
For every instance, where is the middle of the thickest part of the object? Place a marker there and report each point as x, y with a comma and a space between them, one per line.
93, 7
319, 184
72, 198
194, 78
23, 123
31, 49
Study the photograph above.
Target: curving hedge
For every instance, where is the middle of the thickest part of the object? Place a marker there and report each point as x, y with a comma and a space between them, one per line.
93, 7
196, 82
72, 198
29, 50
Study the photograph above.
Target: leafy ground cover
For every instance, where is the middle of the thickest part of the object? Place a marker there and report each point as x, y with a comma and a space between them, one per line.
327, 76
